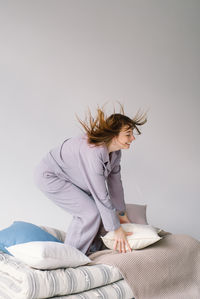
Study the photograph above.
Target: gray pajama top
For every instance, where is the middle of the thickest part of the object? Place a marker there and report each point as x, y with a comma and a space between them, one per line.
91, 169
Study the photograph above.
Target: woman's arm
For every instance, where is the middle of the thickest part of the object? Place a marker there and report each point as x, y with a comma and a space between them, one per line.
115, 186
92, 172
91, 168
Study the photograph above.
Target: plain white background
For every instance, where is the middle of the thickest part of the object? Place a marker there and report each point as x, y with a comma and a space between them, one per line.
59, 57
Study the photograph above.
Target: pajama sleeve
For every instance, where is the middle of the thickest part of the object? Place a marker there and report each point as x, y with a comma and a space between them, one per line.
115, 187
91, 167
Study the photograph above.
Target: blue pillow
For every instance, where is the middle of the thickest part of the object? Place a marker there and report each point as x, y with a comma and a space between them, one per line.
23, 232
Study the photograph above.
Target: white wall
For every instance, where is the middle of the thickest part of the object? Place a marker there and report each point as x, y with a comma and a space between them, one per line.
58, 57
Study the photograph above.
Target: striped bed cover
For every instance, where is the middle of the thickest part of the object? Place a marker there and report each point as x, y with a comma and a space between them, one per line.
19, 281
115, 290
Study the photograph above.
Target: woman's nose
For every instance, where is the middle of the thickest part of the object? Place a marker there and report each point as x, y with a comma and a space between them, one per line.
133, 137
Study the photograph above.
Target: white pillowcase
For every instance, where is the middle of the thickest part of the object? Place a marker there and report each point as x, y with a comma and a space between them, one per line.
48, 255
143, 236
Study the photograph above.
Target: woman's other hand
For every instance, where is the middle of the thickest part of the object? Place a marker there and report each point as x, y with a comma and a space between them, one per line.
121, 241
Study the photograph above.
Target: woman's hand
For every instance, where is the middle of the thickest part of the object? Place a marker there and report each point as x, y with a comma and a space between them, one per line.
124, 219
121, 240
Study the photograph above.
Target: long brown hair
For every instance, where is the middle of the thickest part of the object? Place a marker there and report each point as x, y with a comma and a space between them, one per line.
102, 129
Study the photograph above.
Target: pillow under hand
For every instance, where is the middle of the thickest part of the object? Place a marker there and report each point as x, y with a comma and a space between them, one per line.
143, 236
48, 255
23, 232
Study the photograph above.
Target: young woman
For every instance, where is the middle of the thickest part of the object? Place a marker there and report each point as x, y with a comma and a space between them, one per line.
82, 176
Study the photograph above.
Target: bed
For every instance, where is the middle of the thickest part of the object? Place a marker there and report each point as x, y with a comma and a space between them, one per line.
167, 269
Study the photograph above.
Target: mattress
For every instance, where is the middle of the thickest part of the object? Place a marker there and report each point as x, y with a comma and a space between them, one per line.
19, 281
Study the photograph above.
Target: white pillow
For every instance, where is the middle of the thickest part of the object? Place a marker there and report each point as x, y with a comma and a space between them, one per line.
48, 255
143, 236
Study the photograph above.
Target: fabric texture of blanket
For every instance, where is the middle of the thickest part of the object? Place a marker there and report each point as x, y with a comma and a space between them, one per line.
168, 269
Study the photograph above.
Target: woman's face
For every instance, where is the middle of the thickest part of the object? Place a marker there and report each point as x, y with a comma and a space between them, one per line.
125, 137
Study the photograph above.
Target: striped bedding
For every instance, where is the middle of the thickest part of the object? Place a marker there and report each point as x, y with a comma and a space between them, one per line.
119, 290
19, 281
